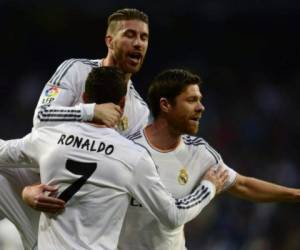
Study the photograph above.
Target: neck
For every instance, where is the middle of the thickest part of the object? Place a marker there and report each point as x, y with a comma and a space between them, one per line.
97, 125
110, 61
161, 136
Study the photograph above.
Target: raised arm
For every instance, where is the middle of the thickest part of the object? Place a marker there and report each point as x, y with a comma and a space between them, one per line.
148, 190
262, 191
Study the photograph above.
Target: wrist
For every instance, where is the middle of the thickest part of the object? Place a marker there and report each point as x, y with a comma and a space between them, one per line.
87, 111
211, 187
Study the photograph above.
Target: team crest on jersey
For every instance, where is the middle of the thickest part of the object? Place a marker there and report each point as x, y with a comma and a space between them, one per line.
123, 123
183, 176
50, 94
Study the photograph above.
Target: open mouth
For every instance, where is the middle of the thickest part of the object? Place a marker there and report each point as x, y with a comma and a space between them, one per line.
135, 57
196, 118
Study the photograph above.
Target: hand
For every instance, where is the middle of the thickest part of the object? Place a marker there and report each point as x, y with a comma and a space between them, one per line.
108, 113
218, 176
36, 197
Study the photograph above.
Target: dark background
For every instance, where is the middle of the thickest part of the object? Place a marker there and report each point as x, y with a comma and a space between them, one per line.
247, 53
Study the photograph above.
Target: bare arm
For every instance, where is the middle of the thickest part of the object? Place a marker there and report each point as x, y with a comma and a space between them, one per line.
262, 191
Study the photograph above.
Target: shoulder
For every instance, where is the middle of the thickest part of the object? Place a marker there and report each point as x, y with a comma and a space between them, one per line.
130, 145
135, 136
73, 66
80, 61
80, 64
199, 145
135, 95
129, 151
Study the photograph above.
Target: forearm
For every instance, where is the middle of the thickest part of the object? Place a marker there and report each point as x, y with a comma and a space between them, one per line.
48, 114
12, 155
146, 187
8, 154
57, 104
191, 206
176, 212
262, 191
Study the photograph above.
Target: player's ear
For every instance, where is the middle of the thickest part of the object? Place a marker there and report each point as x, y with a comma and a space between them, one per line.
84, 97
164, 105
122, 103
109, 41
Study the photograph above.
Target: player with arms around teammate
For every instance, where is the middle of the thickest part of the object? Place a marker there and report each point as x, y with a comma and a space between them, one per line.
175, 100
127, 42
61, 100
97, 170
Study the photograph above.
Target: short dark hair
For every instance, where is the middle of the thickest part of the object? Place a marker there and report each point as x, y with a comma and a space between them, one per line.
126, 14
105, 84
169, 84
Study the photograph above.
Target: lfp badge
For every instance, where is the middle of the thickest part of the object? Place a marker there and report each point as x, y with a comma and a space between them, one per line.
50, 94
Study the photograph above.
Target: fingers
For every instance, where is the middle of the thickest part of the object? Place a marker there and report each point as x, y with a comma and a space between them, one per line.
40, 197
49, 188
48, 204
51, 201
118, 109
218, 176
224, 175
108, 114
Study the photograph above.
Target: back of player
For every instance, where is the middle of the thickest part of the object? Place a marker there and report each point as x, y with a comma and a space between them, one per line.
97, 170
83, 161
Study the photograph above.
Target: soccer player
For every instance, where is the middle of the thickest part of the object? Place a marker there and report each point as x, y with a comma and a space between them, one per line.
175, 100
61, 100
97, 170
127, 42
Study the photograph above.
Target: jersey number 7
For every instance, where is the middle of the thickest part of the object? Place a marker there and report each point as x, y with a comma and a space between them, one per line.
86, 169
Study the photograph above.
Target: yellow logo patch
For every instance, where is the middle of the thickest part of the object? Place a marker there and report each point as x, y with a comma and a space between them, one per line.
183, 176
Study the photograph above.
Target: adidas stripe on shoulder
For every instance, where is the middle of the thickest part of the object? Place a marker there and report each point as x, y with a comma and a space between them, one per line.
197, 141
65, 66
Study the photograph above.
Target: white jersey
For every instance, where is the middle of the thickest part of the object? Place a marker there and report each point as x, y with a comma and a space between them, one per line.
12, 207
97, 171
180, 170
61, 98
63, 90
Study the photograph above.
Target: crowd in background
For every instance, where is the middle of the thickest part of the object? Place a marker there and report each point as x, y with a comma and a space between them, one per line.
247, 55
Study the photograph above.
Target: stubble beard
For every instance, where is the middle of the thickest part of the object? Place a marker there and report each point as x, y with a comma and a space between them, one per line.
120, 60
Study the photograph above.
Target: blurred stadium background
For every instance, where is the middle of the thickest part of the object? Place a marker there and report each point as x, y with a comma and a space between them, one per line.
247, 53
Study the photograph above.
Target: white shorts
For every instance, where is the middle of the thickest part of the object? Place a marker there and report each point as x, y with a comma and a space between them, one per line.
12, 207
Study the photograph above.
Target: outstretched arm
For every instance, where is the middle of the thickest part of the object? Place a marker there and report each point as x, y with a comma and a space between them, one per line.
262, 191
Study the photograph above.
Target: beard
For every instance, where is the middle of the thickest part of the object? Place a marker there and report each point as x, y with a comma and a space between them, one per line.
124, 62
183, 126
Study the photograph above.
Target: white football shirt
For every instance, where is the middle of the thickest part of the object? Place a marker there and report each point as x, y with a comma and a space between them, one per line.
63, 90
180, 170
61, 98
97, 171
12, 207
